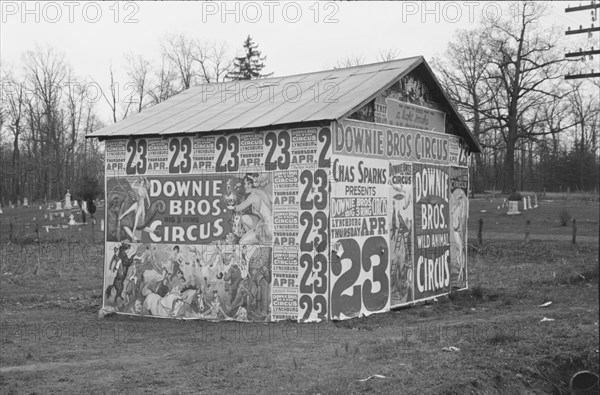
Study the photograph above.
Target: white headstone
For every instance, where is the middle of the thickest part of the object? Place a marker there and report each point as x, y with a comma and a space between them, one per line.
84, 207
59, 205
529, 203
40, 208
524, 204
101, 224
0, 209
68, 204
535, 205
513, 208
25, 202
62, 214
75, 204
72, 220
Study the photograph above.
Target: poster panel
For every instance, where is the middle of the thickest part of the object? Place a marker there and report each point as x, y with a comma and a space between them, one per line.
459, 211
409, 115
227, 206
432, 222
191, 209
365, 139
115, 157
314, 244
203, 155
360, 272
215, 281
251, 151
401, 233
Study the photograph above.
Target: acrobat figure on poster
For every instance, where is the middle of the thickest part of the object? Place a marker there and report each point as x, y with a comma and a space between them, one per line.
256, 225
139, 206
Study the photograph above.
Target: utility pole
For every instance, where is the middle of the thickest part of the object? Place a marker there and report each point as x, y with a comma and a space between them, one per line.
593, 7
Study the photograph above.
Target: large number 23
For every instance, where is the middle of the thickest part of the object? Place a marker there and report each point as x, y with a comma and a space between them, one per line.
374, 294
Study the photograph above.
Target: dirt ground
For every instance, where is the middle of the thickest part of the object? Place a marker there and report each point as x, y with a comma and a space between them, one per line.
52, 340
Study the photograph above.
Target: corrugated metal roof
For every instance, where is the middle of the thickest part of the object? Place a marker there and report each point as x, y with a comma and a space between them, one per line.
252, 104
282, 100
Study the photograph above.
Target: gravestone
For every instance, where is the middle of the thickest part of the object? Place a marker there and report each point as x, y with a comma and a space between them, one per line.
59, 205
75, 204
0, 209
62, 214
68, 204
535, 204
72, 220
529, 203
25, 202
40, 208
513, 208
524, 204
102, 225
84, 207
18, 202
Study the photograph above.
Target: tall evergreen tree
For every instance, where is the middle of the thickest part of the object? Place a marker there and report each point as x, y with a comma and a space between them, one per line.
249, 66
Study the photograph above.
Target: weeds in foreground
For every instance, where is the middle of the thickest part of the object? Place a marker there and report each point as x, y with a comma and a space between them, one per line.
565, 217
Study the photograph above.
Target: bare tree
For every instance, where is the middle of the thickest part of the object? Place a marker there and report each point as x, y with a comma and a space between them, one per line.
385, 55
214, 59
526, 67
182, 52
46, 72
14, 113
112, 97
164, 86
138, 70
349, 61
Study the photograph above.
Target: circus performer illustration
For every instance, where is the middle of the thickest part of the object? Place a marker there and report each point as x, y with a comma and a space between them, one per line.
127, 212
138, 206
458, 218
254, 227
400, 238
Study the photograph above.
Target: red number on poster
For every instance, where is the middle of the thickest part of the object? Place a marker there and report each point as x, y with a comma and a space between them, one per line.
283, 141
134, 148
372, 258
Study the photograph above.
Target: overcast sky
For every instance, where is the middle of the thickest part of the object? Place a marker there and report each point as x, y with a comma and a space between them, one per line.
296, 37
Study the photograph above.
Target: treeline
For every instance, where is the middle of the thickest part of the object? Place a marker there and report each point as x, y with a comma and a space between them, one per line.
538, 131
46, 111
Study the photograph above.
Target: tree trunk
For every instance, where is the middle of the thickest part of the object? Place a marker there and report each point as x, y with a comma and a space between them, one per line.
509, 167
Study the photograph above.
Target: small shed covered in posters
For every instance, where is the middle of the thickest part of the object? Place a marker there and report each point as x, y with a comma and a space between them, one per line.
325, 195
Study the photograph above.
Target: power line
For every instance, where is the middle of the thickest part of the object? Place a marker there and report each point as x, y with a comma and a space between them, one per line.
593, 7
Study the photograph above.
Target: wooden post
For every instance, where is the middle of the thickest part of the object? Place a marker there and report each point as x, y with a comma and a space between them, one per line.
527, 223
480, 232
574, 231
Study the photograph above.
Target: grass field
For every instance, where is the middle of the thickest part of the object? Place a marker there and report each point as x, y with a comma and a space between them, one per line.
53, 342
